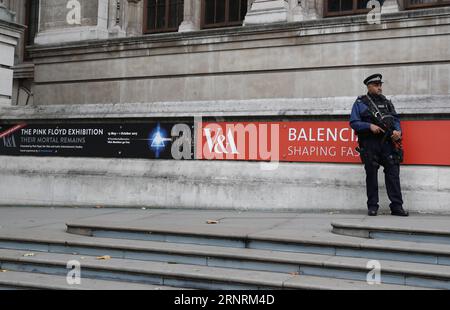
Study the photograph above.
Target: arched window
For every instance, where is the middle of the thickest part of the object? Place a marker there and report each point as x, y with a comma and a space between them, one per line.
162, 15
222, 13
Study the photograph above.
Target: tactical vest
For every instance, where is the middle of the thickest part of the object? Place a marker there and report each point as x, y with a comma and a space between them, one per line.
384, 105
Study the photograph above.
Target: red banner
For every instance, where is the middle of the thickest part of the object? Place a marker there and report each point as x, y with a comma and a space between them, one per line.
318, 142
425, 142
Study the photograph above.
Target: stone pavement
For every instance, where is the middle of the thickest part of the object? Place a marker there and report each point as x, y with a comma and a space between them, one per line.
233, 223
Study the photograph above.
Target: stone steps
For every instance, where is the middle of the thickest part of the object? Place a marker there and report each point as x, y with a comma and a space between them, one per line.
13, 280
408, 232
414, 252
179, 275
189, 255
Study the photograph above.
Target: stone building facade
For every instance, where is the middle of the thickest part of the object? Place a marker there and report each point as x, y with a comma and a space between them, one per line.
259, 60
10, 34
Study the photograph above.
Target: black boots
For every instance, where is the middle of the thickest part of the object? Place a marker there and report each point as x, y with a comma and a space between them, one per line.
373, 213
399, 212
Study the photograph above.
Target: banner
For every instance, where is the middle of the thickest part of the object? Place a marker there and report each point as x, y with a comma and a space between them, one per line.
142, 140
425, 142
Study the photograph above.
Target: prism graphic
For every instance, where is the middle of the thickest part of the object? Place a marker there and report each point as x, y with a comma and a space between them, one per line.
158, 140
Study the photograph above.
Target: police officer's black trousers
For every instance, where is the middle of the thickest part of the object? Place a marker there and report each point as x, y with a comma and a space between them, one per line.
380, 155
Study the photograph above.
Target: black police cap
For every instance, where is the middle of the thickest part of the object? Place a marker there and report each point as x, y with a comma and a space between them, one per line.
374, 78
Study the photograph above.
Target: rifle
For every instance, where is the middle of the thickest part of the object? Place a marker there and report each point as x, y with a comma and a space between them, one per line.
386, 123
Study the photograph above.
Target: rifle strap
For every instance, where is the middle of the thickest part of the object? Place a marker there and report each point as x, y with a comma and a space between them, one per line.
374, 109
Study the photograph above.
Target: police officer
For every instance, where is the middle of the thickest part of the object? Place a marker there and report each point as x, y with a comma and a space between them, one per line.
375, 149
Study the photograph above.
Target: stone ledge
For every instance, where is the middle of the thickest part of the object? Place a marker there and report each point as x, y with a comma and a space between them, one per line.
427, 105
11, 29
24, 71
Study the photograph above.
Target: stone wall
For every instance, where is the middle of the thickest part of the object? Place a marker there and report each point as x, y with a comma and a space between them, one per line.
309, 69
312, 59
213, 185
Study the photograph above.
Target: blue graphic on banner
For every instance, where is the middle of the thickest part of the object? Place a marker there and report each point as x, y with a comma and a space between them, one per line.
158, 140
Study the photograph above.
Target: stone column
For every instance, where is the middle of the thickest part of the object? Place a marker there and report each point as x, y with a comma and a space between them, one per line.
266, 12
10, 34
191, 20
135, 17
117, 18
5, 13
390, 6
300, 10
